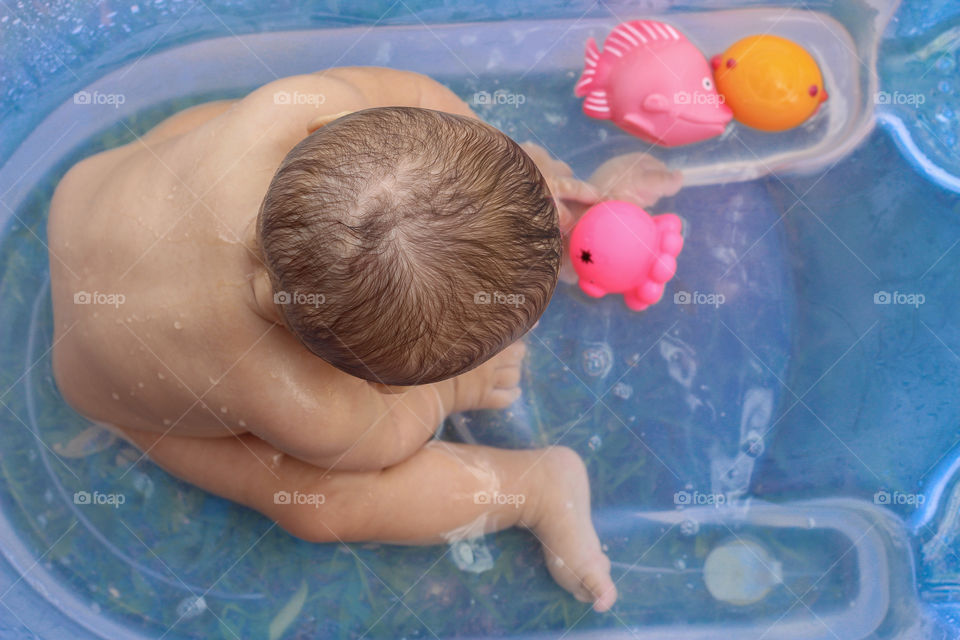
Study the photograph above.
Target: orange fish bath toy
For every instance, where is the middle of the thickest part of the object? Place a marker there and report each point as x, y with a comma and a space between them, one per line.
770, 83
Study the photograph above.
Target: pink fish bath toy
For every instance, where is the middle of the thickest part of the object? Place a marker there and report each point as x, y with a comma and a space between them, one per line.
617, 247
652, 83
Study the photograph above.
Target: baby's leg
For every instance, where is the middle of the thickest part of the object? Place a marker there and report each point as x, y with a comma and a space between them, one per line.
443, 493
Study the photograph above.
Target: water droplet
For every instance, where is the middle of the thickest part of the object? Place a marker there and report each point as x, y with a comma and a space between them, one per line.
191, 607
177, 325
595, 442
622, 390
598, 360
689, 527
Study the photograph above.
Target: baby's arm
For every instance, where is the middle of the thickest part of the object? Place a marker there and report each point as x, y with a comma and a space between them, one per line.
444, 493
333, 420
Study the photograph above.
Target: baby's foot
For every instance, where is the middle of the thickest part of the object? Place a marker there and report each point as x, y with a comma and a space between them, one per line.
493, 385
563, 526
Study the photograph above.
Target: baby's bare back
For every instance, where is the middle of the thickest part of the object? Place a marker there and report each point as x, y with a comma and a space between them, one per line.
151, 266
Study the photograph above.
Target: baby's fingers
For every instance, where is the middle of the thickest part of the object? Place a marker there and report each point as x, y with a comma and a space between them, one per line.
507, 378
567, 188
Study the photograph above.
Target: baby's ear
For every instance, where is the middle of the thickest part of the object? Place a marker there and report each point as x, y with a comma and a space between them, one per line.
320, 121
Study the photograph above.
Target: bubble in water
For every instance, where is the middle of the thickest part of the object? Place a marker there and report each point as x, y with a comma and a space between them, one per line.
191, 607
757, 409
177, 324
741, 572
598, 360
160, 375
680, 564
115, 395
143, 484
595, 442
622, 390
680, 363
472, 555
945, 63
944, 114
689, 527
753, 444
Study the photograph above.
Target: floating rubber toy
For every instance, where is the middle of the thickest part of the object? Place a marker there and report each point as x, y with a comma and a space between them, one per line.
652, 83
617, 247
770, 83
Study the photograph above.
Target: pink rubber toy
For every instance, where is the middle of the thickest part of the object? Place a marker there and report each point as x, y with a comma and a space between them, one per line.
652, 83
618, 247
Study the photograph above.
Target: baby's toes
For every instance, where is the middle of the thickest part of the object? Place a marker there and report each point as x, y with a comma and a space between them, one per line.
597, 582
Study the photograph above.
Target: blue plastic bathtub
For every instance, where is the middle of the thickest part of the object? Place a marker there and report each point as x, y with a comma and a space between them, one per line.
772, 448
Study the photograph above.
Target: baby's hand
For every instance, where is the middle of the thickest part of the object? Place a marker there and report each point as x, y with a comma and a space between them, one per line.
572, 196
637, 178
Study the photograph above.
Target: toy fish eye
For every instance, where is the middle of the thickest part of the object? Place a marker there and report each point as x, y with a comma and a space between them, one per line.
707, 84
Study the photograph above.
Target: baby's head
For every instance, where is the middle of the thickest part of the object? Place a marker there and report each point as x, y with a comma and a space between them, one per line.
407, 246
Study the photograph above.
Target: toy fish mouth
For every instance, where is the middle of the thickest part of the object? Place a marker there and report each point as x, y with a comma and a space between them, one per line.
721, 120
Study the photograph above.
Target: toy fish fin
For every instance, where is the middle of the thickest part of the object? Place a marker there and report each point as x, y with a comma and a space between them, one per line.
656, 103
596, 105
589, 70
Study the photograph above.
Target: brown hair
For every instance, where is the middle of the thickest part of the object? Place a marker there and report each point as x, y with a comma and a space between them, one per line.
407, 245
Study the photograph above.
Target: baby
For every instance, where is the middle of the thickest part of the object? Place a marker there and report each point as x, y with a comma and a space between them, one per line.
295, 288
